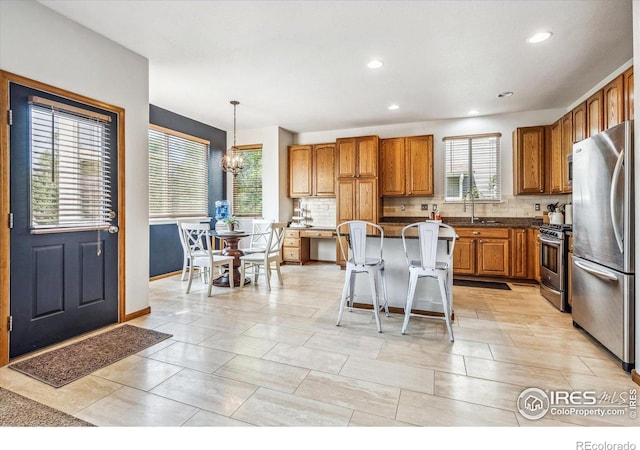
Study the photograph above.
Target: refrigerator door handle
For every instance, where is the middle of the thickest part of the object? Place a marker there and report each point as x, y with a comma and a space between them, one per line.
597, 272
612, 200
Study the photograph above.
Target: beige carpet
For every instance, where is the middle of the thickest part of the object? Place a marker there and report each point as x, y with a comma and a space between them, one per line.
19, 411
64, 365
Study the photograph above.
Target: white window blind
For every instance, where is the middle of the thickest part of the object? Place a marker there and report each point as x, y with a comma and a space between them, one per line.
70, 167
472, 167
178, 174
247, 185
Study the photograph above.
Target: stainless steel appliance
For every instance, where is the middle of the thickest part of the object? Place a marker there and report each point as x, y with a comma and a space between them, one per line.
554, 248
603, 240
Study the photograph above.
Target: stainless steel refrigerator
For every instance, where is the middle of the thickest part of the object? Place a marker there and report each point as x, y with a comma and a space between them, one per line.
603, 297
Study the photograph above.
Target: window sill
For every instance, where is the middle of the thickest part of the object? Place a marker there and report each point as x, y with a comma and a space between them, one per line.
174, 220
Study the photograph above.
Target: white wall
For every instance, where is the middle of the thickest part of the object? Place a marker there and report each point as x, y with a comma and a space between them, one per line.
40, 44
275, 203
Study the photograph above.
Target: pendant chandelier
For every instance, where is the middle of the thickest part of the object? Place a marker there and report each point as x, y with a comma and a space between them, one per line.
232, 162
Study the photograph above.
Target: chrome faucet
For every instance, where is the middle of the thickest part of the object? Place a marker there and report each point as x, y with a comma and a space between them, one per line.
473, 205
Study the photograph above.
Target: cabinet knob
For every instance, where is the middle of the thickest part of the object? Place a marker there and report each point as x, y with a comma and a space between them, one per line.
480, 241
476, 232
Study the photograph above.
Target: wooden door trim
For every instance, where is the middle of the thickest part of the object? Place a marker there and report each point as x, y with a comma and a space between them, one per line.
5, 248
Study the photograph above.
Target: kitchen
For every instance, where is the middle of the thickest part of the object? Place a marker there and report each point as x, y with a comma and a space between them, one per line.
277, 140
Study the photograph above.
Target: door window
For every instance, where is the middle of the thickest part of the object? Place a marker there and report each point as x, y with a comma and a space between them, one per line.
70, 167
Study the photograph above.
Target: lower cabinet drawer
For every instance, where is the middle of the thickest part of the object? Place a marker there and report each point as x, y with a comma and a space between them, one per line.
291, 242
291, 253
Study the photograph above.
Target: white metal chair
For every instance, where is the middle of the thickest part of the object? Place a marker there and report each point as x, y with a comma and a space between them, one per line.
197, 240
358, 262
268, 260
260, 232
428, 266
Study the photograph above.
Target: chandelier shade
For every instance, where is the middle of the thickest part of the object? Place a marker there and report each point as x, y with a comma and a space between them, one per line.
232, 162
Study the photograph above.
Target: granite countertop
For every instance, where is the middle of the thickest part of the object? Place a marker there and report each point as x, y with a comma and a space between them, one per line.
488, 222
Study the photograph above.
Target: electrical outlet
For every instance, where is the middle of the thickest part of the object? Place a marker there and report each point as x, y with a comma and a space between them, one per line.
424, 207
537, 206
435, 207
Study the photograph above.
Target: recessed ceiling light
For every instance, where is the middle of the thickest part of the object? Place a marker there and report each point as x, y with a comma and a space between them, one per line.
473, 112
505, 94
539, 37
393, 107
375, 64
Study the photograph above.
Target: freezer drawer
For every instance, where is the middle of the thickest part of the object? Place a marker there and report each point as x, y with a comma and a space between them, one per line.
603, 305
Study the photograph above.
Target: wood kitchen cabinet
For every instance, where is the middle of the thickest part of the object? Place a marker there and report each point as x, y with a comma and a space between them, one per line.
407, 166
579, 117
519, 253
595, 113
533, 254
483, 252
312, 170
294, 249
300, 170
324, 170
567, 148
613, 94
357, 157
555, 158
529, 160
628, 93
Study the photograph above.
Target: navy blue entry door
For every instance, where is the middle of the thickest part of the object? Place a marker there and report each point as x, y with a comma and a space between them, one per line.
64, 283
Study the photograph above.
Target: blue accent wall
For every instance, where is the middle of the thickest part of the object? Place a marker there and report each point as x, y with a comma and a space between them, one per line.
165, 251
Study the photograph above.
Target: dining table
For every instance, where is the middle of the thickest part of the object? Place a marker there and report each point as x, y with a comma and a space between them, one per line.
231, 240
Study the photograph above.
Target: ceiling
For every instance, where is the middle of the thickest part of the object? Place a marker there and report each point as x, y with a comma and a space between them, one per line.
302, 65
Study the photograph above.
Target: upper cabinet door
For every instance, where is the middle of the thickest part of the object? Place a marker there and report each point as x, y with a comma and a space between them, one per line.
628, 93
579, 122
324, 170
419, 157
595, 113
614, 102
567, 149
556, 184
346, 148
300, 174
392, 162
367, 156
529, 150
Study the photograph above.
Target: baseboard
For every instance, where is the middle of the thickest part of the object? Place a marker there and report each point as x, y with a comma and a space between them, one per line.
135, 315
635, 377
165, 275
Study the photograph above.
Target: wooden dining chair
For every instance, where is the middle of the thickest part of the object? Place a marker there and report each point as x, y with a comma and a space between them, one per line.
268, 260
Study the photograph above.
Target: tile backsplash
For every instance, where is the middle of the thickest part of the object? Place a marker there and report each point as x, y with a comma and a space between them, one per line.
321, 211
510, 206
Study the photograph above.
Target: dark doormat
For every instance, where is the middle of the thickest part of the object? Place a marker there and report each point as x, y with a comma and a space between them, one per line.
66, 364
19, 411
482, 284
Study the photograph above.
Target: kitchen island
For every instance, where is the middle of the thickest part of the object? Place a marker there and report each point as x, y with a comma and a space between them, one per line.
427, 297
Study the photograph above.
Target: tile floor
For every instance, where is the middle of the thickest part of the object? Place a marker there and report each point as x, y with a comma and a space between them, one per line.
248, 357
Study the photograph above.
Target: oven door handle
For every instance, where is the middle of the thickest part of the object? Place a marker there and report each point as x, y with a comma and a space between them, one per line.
555, 242
597, 272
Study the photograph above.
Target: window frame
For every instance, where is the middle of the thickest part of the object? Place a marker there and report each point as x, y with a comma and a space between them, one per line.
468, 174
239, 149
169, 213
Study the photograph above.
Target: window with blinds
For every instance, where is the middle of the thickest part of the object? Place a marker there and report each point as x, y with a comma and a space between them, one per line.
178, 174
70, 167
472, 167
247, 185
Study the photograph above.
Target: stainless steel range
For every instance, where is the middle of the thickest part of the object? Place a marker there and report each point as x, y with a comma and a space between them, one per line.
554, 249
